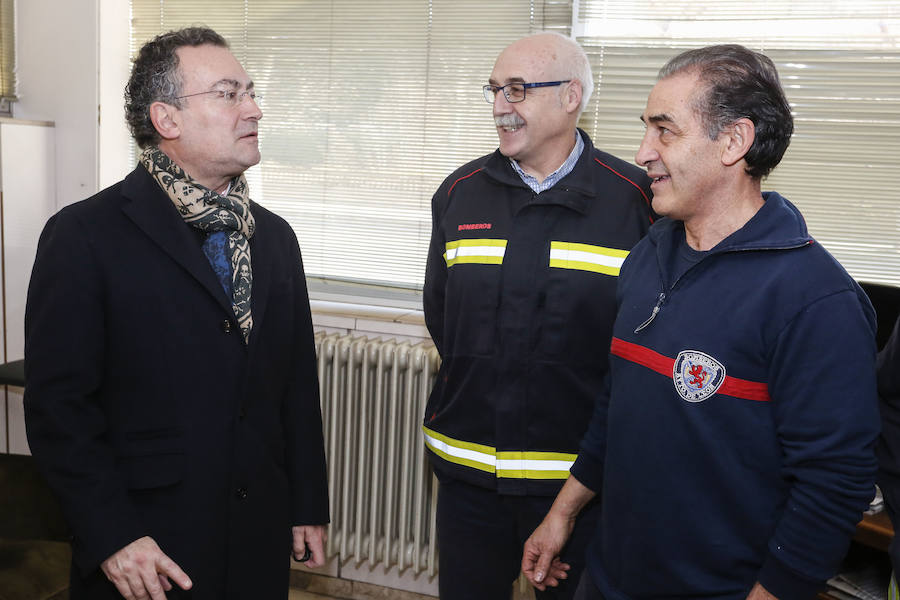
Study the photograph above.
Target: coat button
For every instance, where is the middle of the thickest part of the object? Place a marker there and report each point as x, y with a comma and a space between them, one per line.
226, 326
241, 493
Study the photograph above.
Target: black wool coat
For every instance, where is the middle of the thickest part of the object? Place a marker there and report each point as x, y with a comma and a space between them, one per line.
146, 411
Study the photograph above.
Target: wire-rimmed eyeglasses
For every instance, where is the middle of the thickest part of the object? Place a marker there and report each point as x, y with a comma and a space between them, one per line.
230, 97
515, 92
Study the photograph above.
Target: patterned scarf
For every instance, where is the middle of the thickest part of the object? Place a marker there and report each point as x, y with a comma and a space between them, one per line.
227, 219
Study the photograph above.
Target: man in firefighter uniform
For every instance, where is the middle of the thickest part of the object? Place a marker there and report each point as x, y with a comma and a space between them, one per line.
520, 299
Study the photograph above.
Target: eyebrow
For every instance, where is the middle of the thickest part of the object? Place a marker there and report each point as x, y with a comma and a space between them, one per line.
510, 80
234, 83
662, 118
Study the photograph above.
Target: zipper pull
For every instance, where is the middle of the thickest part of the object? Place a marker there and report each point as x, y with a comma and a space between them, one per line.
659, 301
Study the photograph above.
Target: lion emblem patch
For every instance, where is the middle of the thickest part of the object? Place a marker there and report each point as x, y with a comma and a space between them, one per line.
697, 376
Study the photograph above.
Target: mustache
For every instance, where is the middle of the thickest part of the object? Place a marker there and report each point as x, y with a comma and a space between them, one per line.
509, 120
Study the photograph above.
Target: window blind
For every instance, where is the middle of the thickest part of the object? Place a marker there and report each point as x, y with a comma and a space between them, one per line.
368, 106
840, 65
7, 50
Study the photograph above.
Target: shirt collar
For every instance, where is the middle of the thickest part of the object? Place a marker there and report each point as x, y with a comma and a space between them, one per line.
556, 175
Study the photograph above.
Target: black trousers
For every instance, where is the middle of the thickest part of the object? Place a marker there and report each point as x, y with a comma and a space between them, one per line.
480, 539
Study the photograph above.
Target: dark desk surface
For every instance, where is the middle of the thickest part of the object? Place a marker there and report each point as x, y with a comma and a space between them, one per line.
13, 373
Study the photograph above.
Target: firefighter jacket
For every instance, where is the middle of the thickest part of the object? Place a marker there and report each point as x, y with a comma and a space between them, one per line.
520, 300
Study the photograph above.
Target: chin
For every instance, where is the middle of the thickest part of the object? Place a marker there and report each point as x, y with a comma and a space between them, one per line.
513, 152
661, 207
250, 160
511, 148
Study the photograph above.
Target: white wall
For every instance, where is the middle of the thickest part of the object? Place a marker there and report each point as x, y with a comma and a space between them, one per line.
114, 70
71, 67
56, 69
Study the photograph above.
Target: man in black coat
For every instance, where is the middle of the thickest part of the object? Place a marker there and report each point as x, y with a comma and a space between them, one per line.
171, 391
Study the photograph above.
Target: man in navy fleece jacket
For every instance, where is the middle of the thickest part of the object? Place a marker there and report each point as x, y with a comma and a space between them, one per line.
734, 450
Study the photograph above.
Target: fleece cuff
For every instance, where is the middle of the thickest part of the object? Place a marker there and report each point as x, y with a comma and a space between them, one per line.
783, 582
589, 471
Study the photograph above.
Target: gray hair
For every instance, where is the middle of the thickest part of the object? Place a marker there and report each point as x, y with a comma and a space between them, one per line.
574, 64
155, 78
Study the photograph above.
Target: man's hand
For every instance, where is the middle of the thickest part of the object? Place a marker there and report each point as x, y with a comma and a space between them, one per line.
312, 537
540, 556
760, 593
141, 570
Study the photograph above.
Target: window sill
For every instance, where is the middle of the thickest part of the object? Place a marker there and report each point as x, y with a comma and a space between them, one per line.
367, 310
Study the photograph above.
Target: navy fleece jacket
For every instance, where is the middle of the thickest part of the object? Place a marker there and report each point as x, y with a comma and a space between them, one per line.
736, 443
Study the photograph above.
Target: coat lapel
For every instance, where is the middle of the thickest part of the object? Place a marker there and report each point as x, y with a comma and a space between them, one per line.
151, 210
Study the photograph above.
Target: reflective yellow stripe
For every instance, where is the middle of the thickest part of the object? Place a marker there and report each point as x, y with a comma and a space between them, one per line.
478, 251
507, 464
892, 593
584, 257
476, 456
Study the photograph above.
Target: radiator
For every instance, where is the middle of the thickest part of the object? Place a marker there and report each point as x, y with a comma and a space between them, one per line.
383, 495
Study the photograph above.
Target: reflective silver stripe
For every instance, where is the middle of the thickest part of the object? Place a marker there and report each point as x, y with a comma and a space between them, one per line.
515, 464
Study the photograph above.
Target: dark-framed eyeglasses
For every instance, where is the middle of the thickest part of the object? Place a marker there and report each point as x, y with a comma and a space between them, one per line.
231, 98
515, 92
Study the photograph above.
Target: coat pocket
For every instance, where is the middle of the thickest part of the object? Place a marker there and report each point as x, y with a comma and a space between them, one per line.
152, 458
153, 470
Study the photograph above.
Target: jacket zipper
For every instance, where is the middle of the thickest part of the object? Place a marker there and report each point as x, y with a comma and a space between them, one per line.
659, 301
662, 295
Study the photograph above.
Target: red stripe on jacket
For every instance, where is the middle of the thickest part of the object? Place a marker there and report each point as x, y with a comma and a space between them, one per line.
732, 386
460, 179
640, 189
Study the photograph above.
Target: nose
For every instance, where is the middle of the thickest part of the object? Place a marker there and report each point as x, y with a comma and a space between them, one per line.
251, 109
646, 154
501, 104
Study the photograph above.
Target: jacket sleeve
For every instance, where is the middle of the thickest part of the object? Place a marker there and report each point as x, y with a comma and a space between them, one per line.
434, 292
588, 467
64, 369
305, 449
822, 384
888, 372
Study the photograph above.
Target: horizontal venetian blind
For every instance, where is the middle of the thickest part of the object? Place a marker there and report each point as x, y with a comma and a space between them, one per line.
368, 106
840, 65
7, 49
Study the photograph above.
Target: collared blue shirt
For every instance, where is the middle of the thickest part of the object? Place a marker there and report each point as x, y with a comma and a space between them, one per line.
555, 176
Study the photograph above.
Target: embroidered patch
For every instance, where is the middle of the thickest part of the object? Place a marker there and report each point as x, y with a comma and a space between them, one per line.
697, 376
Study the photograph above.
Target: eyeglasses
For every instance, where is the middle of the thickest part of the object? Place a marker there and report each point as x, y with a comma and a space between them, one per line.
515, 92
232, 98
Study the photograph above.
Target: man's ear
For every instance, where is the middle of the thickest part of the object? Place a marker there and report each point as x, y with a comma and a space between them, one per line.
738, 139
166, 120
572, 96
